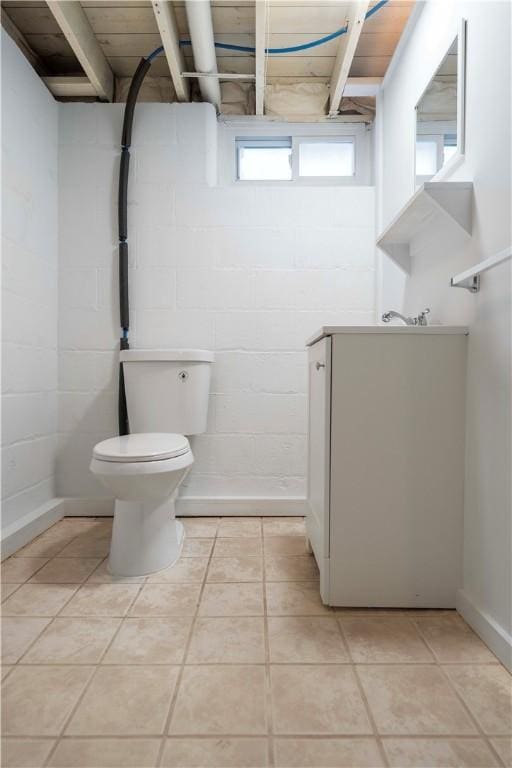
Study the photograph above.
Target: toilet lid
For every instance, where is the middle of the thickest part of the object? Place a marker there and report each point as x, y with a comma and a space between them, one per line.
150, 446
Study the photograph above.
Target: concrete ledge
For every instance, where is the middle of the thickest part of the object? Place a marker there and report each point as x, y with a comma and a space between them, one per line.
492, 633
24, 530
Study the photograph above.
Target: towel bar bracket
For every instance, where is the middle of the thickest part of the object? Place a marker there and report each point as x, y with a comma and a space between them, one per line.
471, 284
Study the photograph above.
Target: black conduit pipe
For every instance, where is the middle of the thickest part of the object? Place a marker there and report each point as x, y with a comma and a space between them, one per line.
124, 306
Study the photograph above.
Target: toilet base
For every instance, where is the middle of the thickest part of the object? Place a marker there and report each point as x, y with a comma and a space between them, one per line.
146, 538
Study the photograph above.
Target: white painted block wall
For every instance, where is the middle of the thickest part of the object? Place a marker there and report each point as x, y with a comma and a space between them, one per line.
29, 288
249, 271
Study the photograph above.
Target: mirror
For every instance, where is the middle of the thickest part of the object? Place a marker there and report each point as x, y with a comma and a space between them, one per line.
440, 116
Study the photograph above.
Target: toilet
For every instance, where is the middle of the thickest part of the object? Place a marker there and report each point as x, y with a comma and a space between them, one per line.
167, 399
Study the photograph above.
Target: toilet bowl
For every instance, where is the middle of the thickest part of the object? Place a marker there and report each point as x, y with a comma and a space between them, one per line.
143, 471
167, 400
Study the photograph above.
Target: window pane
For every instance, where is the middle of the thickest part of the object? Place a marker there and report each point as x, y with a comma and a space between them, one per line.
426, 158
329, 158
264, 163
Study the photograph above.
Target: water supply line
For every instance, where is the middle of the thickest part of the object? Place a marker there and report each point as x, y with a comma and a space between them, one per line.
202, 41
124, 168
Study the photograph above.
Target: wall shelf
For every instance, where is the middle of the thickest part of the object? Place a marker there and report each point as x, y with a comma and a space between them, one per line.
449, 200
470, 279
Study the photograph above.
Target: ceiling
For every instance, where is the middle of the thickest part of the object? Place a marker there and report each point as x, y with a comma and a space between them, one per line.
126, 31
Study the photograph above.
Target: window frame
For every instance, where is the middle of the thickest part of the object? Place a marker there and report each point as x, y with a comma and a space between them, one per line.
231, 128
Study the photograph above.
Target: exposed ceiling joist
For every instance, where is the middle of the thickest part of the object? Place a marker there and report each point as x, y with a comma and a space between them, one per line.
69, 86
346, 50
78, 32
168, 28
261, 28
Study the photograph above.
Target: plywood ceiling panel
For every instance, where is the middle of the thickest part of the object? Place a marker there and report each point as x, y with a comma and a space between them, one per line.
50, 45
369, 66
39, 20
125, 66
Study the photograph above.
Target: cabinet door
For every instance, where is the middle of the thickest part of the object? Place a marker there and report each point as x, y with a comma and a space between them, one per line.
397, 469
319, 437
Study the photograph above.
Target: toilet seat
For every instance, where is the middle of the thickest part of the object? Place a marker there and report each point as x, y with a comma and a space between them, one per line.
141, 447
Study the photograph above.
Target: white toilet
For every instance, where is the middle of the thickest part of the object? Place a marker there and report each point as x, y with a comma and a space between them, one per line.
167, 398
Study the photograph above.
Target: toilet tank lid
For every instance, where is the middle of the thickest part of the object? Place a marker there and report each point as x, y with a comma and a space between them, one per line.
183, 355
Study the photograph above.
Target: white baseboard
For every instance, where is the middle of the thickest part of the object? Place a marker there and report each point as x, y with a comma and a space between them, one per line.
492, 633
200, 506
240, 506
24, 530
88, 506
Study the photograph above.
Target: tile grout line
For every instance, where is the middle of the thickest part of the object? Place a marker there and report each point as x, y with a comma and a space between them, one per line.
96, 667
59, 615
472, 718
437, 663
52, 618
452, 686
174, 697
56, 616
479, 733
371, 719
269, 712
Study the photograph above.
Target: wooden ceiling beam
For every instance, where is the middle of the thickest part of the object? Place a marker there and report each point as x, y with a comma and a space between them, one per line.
168, 28
69, 86
77, 30
261, 30
346, 50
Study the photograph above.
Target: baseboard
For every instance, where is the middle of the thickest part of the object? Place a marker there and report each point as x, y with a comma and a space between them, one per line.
200, 506
24, 530
493, 635
88, 506
241, 506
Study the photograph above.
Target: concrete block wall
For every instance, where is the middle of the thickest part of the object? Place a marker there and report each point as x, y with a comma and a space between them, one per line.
249, 271
29, 288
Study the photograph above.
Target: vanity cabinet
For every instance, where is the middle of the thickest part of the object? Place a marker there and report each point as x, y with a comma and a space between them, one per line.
386, 464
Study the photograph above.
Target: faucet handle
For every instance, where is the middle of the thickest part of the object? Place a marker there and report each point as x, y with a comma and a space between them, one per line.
422, 317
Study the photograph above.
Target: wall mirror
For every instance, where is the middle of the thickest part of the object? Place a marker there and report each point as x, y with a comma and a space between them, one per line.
440, 116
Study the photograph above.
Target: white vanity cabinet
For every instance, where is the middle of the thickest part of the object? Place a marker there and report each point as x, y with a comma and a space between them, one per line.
386, 464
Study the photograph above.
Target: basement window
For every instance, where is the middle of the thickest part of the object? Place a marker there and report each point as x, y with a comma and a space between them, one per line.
319, 158
299, 159
264, 159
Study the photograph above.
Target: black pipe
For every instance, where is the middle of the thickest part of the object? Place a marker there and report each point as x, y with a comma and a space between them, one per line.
124, 169
122, 208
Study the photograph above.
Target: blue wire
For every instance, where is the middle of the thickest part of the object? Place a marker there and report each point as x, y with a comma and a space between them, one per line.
275, 51
155, 53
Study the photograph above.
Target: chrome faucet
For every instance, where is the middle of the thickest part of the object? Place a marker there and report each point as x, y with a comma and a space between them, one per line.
420, 320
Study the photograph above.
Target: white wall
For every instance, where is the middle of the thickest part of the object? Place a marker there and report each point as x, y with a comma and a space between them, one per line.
248, 271
437, 255
29, 288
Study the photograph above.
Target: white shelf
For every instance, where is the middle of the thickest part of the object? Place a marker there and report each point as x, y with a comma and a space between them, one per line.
450, 200
470, 279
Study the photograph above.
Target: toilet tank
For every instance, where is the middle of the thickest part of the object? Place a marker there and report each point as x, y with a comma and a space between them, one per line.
167, 390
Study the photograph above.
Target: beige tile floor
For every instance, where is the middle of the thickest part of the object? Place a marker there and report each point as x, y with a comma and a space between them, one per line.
229, 659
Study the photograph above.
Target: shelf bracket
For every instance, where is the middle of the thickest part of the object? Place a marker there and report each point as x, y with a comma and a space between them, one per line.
471, 284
